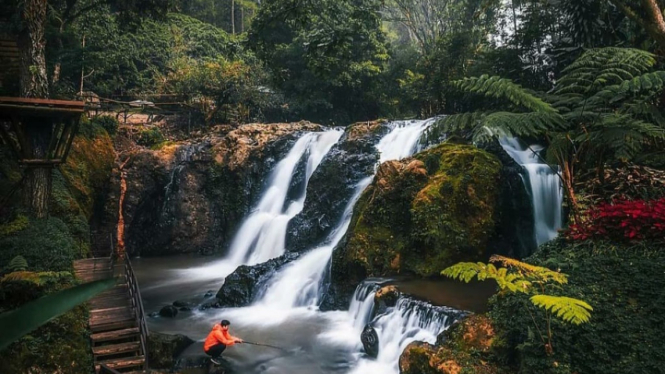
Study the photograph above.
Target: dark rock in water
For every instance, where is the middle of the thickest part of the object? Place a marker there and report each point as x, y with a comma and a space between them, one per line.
168, 311
211, 304
330, 187
210, 293
153, 314
197, 363
164, 348
370, 340
180, 304
185, 309
244, 284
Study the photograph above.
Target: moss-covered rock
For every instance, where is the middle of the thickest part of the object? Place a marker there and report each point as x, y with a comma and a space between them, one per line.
464, 348
61, 345
422, 214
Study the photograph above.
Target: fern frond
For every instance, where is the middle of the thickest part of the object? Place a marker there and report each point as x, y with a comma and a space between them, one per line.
568, 309
497, 87
539, 273
18, 263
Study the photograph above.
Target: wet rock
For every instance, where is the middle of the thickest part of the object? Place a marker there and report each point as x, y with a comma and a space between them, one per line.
244, 284
330, 187
168, 311
465, 346
153, 314
180, 304
386, 296
185, 309
208, 294
191, 196
370, 340
164, 348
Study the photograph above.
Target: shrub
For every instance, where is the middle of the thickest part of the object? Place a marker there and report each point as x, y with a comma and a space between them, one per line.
150, 137
108, 123
46, 244
17, 263
622, 221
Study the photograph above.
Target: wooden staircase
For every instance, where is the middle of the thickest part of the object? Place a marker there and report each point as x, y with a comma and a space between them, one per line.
117, 322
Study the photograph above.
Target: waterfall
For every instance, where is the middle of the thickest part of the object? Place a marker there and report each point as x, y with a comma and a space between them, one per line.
544, 185
410, 320
262, 235
300, 282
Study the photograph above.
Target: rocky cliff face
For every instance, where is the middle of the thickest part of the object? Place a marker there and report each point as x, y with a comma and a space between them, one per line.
352, 159
191, 196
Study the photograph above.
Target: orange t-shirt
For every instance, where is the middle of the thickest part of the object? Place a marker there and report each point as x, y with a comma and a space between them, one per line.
218, 335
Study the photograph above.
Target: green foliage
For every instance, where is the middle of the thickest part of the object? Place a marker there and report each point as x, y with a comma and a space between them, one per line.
624, 284
150, 137
47, 244
108, 123
59, 346
19, 223
17, 263
568, 309
528, 279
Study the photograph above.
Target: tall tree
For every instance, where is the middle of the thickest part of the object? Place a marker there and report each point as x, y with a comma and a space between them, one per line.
648, 14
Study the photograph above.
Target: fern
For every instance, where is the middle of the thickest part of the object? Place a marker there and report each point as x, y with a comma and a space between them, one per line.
520, 277
17, 263
568, 309
497, 87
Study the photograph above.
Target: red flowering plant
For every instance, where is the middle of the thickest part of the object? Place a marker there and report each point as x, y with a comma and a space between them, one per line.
622, 220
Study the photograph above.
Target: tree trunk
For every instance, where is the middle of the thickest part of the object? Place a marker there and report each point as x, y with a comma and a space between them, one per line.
233, 17
34, 84
37, 188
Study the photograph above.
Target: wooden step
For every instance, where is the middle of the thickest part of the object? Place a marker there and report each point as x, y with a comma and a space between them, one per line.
123, 308
122, 363
110, 302
114, 325
113, 349
114, 335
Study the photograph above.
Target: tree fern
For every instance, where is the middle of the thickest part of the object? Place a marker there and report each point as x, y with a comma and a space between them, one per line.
568, 309
497, 87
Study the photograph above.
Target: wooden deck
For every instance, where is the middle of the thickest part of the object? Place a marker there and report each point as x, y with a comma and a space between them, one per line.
116, 335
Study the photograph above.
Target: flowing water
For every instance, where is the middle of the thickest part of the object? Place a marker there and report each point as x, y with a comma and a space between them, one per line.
544, 186
286, 312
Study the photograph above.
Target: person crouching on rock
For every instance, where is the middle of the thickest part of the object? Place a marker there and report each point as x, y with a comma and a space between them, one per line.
217, 341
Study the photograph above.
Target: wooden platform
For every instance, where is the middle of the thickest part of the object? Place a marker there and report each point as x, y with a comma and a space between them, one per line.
113, 323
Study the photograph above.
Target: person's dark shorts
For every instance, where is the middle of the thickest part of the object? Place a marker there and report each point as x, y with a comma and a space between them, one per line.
216, 350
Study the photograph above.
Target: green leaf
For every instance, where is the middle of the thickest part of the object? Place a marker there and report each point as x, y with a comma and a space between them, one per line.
568, 309
19, 322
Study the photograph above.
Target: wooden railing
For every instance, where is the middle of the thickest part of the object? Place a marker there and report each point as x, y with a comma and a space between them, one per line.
137, 303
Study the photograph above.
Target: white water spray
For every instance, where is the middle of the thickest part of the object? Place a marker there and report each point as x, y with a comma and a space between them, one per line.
545, 186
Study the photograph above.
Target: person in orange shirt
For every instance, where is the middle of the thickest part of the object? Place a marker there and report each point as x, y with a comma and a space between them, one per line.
217, 341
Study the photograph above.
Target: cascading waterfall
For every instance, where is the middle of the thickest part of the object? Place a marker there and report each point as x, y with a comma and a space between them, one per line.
263, 233
409, 321
299, 283
544, 185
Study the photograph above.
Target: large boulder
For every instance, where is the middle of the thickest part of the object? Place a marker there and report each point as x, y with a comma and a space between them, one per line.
422, 214
243, 285
192, 195
163, 349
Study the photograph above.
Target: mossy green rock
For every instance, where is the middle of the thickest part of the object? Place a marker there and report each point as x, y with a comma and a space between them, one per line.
423, 214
